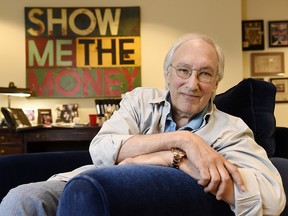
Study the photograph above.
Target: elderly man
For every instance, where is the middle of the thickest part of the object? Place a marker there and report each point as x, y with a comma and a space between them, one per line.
213, 147
178, 127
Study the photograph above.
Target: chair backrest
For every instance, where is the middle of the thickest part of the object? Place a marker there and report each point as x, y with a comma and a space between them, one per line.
253, 101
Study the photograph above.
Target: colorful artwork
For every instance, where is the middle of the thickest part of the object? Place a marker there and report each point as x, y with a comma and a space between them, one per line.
82, 52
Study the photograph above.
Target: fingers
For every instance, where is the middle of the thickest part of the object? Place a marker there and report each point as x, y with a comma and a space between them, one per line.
218, 178
235, 174
204, 178
209, 171
223, 185
214, 180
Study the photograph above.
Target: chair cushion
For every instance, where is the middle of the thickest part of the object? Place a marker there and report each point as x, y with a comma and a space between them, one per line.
253, 101
136, 189
33, 167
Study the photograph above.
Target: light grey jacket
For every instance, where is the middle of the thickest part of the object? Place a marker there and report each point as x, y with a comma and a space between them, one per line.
144, 111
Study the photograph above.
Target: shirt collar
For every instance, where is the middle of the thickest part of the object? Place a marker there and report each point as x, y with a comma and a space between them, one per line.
161, 99
194, 123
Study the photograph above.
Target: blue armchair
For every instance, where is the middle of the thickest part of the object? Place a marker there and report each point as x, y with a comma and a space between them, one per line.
152, 190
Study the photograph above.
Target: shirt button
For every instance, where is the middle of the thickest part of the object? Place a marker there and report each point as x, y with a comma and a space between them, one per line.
166, 104
160, 126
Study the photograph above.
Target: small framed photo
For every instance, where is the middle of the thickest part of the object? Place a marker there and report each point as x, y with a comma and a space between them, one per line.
252, 35
278, 33
267, 64
44, 117
30, 114
281, 89
66, 113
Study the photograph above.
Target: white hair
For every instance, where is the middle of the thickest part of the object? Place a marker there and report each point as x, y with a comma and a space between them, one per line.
194, 36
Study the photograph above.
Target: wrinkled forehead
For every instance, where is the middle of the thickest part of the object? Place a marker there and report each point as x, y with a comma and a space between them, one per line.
196, 52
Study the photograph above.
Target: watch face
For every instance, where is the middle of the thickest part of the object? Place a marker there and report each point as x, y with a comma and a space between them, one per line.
178, 152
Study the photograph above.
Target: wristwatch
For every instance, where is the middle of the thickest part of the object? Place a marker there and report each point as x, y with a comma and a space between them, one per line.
178, 155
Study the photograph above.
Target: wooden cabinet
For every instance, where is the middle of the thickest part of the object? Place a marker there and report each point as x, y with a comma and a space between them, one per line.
46, 139
58, 139
10, 143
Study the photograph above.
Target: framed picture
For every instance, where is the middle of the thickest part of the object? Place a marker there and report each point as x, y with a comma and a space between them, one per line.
267, 63
278, 33
66, 113
30, 114
252, 35
281, 89
44, 117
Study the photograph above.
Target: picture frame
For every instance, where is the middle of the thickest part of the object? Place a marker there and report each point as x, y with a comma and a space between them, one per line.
44, 117
281, 85
67, 112
278, 33
30, 114
267, 64
252, 35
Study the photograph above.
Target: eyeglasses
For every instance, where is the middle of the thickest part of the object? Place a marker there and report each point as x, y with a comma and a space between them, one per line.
203, 75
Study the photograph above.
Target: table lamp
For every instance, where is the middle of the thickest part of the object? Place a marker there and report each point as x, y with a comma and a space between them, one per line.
12, 90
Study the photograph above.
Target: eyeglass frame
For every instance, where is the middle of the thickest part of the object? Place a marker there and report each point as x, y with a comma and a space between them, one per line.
191, 72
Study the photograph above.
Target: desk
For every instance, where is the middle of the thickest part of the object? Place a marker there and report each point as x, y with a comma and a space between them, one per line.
10, 143
47, 139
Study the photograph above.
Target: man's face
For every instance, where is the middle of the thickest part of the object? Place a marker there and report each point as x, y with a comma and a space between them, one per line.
190, 96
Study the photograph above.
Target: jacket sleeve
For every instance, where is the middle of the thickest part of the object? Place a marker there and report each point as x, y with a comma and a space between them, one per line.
140, 113
264, 193
114, 132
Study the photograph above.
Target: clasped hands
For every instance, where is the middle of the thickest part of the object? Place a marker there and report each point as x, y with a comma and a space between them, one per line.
216, 174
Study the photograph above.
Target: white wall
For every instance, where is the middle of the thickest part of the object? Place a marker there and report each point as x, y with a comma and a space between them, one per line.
267, 10
162, 22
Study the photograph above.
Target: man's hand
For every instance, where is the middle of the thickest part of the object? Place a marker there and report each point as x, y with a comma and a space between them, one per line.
224, 190
212, 170
216, 173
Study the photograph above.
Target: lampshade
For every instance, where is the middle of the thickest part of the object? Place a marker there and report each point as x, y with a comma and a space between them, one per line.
12, 90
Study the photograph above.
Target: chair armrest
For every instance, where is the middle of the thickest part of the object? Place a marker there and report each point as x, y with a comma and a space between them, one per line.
282, 166
281, 137
138, 190
26, 168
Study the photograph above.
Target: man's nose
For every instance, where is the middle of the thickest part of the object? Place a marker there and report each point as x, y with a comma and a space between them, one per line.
193, 81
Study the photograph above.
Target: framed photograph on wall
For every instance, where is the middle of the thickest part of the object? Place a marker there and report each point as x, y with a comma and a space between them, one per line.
44, 117
252, 35
267, 64
278, 33
281, 89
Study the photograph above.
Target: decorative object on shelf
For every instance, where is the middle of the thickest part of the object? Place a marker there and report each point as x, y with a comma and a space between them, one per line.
30, 113
278, 33
92, 119
106, 105
252, 35
12, 90
105, 108
267, 63
66, 113
281, 89
44, 117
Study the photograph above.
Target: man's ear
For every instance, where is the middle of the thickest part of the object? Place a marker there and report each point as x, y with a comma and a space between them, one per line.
167, 78
216, 86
